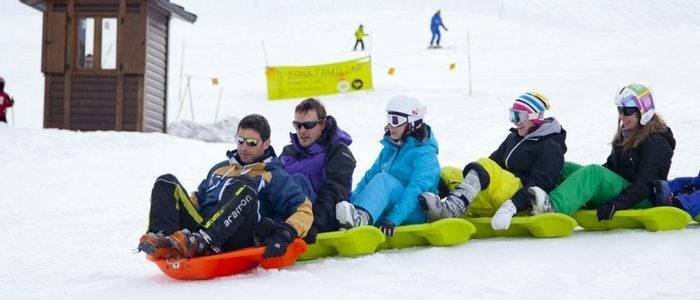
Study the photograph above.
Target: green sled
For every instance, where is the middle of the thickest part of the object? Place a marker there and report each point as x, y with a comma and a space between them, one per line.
549, 225
365, 240
357, 241
652, 219
445, 232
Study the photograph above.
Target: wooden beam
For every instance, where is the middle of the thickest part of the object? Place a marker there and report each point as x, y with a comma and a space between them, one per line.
70, 58
119, 109
47, 77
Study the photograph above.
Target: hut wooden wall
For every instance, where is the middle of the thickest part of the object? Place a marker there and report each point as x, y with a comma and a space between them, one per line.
155, 79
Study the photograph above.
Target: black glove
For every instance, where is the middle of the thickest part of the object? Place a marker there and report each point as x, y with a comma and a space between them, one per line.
310, 237
263, 230
388, 228
606, 211
276, 244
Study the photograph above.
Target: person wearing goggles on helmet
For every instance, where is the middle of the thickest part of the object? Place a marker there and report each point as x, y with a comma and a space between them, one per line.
642, 148
318, 156
532, 155
407, 166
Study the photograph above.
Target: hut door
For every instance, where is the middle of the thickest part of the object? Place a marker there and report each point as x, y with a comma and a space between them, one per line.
54, 60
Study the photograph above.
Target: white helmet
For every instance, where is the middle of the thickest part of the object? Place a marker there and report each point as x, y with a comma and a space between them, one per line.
402, 108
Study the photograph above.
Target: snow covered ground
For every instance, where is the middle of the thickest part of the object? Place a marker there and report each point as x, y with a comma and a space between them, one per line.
76, 202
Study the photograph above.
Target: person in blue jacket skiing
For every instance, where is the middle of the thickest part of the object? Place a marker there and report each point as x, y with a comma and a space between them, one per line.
407, 166
435, 23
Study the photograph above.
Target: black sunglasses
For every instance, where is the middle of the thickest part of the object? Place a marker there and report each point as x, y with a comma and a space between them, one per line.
252, 142
627, 111
307, 125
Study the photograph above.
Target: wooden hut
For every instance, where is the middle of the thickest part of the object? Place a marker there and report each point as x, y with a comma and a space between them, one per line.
105, 63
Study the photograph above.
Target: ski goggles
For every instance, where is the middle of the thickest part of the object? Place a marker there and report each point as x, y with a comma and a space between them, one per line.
517, 116
627, 111
396, 120
307, 125
251, 142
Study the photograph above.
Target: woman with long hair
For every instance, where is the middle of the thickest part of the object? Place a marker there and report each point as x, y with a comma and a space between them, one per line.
641, 154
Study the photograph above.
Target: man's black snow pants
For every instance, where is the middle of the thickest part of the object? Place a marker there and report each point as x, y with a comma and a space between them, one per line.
230, 223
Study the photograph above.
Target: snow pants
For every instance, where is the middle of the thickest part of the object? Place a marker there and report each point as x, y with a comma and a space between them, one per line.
502, 186
230, 223
359, 42
381, 195
591, 186
435, 34
687, 190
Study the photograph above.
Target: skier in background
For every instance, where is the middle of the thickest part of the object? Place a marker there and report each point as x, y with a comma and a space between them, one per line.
359, 36
435, 23
5, 101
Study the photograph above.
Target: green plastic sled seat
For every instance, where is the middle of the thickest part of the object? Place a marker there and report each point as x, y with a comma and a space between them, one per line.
357, 241
549, 225
365, 240
652, 219
445, 232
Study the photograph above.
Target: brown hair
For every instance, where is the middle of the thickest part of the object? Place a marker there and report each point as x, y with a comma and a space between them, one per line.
311, 104
655, 125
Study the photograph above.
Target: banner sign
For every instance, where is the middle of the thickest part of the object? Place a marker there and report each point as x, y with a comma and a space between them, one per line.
309, 81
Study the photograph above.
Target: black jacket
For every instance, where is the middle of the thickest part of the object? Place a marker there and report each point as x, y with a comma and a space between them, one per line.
641, 166
336, 184
537, 159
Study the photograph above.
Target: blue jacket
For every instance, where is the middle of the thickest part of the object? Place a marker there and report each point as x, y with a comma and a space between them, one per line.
414, 163
436, 22
280, 198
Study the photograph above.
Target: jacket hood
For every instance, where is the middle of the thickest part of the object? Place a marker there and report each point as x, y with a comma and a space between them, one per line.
331, 135
550, 129
668, 135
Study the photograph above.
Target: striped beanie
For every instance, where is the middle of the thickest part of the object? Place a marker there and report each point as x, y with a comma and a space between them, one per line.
532, 102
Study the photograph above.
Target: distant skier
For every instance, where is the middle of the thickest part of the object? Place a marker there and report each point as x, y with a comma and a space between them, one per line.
359, 36
435, 23
5, 101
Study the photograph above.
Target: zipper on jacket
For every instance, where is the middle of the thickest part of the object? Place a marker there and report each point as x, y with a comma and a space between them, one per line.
511, 151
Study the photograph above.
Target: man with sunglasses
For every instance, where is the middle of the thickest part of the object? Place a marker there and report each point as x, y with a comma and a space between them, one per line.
532, 155
246, 200
319, 155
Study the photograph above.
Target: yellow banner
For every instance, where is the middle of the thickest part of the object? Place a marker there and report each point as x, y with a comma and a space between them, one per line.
308, 81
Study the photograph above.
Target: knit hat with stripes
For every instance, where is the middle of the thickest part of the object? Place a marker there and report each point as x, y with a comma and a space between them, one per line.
532, 102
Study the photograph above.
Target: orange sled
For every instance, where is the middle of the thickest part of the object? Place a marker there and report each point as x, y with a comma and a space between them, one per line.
229, 263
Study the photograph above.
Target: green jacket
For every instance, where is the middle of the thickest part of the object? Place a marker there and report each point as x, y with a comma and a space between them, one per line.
359, 33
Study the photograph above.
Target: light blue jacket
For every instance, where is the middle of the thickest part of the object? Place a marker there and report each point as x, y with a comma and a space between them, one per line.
414, 164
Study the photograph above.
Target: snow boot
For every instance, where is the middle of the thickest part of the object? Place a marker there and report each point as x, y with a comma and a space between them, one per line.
193, 244
349, 217
540, 201
158, 246
435, 208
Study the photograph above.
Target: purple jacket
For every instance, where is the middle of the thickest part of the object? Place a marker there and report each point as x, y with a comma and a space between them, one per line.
328, 164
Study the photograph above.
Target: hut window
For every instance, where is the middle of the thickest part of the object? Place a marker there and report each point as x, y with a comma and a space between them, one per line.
109, 43
86, 41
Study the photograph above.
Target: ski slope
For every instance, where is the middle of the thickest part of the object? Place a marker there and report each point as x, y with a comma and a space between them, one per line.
76, 202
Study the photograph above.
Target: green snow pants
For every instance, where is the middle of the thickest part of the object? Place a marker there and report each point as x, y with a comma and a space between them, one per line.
591, 186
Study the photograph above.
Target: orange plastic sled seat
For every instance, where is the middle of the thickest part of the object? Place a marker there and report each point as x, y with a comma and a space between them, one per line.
229, 263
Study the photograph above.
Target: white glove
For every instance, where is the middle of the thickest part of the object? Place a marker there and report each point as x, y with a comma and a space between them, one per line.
501, 220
